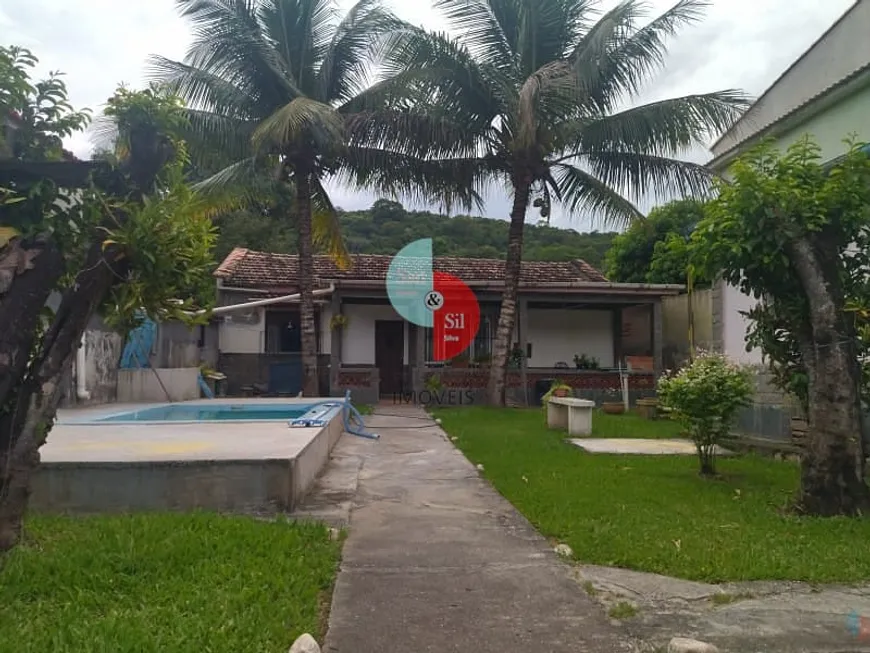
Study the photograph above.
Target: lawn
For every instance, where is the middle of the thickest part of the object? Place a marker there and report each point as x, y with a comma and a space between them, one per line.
654, 513
167, 583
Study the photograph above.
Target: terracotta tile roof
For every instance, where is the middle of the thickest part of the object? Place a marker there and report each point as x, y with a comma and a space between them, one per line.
245, 268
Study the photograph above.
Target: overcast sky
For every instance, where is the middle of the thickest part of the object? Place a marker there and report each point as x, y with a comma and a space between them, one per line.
743, 44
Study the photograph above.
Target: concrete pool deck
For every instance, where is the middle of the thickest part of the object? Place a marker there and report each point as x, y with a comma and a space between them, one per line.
249, 466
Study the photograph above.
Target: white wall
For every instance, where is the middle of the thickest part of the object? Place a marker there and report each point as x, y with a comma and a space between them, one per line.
325, 332
358, 337
556, 335
735, 325
237, 337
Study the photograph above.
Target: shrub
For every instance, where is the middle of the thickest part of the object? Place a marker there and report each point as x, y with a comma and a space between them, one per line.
705, 397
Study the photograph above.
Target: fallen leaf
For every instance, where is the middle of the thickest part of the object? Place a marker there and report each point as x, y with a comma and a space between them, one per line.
678, 544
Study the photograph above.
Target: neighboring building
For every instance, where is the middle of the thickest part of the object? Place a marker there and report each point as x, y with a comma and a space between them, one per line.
825, 94
565, 309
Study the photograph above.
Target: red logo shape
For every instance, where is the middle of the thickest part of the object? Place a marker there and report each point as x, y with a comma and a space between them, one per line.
456, 316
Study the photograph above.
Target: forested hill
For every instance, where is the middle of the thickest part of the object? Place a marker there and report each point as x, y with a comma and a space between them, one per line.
387, 227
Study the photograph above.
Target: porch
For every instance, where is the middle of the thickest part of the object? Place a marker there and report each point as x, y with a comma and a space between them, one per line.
581, 339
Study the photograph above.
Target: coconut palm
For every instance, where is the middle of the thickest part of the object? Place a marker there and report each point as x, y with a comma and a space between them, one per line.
536, 95
270, 85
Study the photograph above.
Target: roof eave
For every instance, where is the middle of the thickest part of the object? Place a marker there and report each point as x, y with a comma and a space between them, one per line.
845, 88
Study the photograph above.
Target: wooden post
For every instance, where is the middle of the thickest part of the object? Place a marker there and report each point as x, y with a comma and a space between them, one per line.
523, 329
335, 346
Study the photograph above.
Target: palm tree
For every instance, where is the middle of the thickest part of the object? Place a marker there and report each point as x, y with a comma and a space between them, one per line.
535, 95
271, 86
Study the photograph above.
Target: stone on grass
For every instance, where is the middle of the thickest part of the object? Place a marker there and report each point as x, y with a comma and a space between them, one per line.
334, 534
305, 644
479, 467
686, 645
564, 550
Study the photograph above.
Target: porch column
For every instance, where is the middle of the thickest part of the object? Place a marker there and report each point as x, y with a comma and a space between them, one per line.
335, 346
522, 337
418, 358
617, 336
656, 337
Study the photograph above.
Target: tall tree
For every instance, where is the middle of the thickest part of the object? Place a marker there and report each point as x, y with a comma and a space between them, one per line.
529, 97
272, 86
796, 236
120, 239
654, 250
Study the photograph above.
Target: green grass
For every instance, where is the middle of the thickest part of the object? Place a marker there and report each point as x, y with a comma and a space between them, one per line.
654, 513
622, 610
165, 583
630, 425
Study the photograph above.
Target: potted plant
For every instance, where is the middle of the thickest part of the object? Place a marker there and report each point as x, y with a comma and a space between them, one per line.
558, 389
338, 321
612, 403
584, 362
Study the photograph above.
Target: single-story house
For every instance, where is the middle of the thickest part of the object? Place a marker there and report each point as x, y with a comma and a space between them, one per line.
825, 93
566, 310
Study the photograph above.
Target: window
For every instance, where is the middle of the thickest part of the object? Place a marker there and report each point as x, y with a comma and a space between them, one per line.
481, 348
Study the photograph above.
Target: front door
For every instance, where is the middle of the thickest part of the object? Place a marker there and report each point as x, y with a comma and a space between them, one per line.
390, 354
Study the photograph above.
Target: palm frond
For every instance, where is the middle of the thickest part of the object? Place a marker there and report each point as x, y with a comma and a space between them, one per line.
230, 43
616, 58
214, 138
544, 98
199, 88
646, 175
345, 68
664, 128
479, 29
300, 32
581, 191
243, 183
451, 182
416, 133
325, 226
441, 72
297, 121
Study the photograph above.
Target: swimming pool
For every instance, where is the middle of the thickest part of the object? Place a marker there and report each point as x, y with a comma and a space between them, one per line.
226, 412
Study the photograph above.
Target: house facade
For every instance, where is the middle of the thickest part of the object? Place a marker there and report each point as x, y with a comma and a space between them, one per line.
568, 313
824, 94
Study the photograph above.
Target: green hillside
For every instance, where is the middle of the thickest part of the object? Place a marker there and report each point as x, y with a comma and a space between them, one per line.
387, 227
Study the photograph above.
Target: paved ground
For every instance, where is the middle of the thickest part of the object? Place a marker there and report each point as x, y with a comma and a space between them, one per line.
748, 617
436, 560
650, 447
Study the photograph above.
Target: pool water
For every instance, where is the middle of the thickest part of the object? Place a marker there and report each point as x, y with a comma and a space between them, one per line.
219, 413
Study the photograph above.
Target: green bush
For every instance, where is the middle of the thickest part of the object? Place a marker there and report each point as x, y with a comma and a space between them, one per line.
705, 397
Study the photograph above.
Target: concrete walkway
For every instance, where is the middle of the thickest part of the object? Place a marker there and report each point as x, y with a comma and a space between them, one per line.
436, 560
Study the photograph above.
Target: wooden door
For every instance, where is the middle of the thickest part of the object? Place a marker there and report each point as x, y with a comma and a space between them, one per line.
390, 354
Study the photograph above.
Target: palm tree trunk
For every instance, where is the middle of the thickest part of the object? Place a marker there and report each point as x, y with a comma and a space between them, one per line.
306, 284
508, 312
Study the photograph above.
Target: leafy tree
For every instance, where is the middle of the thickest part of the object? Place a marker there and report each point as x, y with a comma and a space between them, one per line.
528, 97
277, 89
796, 236
122, 240
266, 228
654, 250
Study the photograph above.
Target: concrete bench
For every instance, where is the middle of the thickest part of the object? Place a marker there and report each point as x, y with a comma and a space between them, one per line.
570, 413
